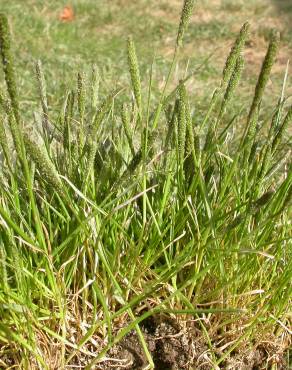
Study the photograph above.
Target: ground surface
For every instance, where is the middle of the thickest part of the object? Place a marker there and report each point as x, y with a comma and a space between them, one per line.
182, 345
176, 347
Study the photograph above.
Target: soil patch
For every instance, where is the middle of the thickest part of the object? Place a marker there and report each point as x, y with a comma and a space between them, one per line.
172, 346
176, 346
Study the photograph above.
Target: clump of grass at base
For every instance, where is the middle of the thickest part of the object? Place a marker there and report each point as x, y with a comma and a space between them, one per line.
96, 237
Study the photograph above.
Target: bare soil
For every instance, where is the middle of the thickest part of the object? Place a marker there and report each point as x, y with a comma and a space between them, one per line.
177, 347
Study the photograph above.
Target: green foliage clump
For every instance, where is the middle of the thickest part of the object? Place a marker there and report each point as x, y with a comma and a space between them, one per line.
120, 209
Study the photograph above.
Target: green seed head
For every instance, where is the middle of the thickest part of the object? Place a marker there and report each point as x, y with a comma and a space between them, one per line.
94, 86
4, 140
182, 121
91, 142
43, 95
190, 141
13, 126
7, 61
261, 84
126, 124
81, 95
235, 52
265, 71
275, 122
232, 84
101, 113
42, 86
172, 124
186, 13
134, 72
43, 163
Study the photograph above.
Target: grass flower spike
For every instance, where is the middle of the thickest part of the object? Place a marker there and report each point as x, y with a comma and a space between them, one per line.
134, 72
186, 14
8, 67
235, 52
261, 85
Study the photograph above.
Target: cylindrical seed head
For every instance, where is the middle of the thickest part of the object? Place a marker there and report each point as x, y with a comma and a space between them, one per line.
235, 52
134, 72
43, 95
81, 95
182, 122
41, 86
186, 13
7, 61
262, 81
46, 167
126, 125
232, 84
94, 86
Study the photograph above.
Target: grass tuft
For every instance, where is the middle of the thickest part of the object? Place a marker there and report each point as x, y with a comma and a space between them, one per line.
112, 219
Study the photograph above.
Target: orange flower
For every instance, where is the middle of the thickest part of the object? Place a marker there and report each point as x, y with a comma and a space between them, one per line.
67, 14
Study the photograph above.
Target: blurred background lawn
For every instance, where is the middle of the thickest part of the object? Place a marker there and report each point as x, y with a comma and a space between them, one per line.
98, 33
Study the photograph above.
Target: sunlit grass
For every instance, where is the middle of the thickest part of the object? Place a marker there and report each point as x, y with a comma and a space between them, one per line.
118, 207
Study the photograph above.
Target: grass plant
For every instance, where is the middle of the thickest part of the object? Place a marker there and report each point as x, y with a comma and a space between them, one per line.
125, 208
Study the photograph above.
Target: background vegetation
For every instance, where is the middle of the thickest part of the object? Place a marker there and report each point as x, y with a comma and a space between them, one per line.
100, 28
